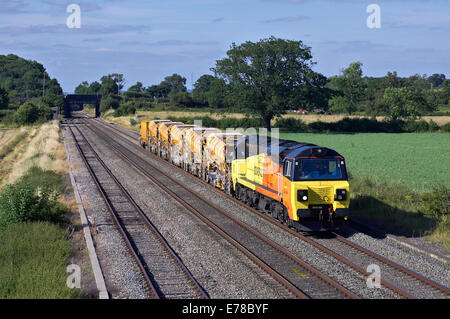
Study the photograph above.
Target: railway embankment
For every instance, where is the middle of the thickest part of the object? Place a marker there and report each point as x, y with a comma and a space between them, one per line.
39, 224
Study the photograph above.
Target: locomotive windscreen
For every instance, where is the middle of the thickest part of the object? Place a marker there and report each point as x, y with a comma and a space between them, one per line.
320, 169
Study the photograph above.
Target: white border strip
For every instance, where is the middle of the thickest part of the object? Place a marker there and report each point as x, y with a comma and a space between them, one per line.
98, 274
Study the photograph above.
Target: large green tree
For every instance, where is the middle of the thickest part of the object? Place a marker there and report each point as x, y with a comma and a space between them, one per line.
138, 88
119, 80
108, 86
436, 80
401, 103
174, 83
218, 93
267, 77
351, 86
203, 84
83, 88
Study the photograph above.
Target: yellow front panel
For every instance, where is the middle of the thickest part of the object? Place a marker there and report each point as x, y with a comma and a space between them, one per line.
319, 192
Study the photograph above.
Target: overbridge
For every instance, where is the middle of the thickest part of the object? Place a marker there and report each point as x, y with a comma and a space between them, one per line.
71, 100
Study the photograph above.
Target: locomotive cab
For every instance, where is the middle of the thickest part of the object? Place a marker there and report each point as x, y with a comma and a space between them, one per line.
317, 187
301, 184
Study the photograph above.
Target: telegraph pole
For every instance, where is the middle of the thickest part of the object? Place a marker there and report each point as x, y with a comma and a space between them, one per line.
43, 87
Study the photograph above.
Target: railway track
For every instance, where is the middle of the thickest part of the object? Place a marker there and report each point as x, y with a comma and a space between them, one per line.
402, 280
299, 278
164, 273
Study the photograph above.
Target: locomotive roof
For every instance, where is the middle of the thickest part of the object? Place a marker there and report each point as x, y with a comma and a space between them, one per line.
172, 123
204, 129
287, 148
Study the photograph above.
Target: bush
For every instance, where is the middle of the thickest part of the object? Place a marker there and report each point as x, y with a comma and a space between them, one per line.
125, 109
244, 123
320, 126
362, 125
435, 203
420, 126
445, 128
24, 203
27, 113
30, 112
434, 126
109, 102
222, 123
392, 126
291, 125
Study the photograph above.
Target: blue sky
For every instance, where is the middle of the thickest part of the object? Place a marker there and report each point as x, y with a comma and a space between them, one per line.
148, 40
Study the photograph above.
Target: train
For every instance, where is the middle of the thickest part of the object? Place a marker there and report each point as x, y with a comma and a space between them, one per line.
303, 185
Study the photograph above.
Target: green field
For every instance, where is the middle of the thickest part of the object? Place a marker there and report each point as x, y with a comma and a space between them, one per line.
417, 160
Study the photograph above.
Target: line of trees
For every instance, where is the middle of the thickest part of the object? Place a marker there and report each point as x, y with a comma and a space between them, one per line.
390, 95
263, 79
266, 79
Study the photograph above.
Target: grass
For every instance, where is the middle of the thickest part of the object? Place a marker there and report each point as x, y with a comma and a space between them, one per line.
9, 147
38, 177
33, 260
417, 160
34, 255
398, 210
42, 148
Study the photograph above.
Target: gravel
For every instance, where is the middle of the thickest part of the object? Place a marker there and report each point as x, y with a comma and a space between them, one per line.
122, 276
420, 263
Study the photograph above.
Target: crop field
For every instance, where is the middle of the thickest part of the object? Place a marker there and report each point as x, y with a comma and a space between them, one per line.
417, 160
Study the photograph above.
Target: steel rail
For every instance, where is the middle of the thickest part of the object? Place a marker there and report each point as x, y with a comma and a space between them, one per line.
393, 264
148, 282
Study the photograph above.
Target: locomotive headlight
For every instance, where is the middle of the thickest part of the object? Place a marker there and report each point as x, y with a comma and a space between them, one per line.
302, 195
341, 194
